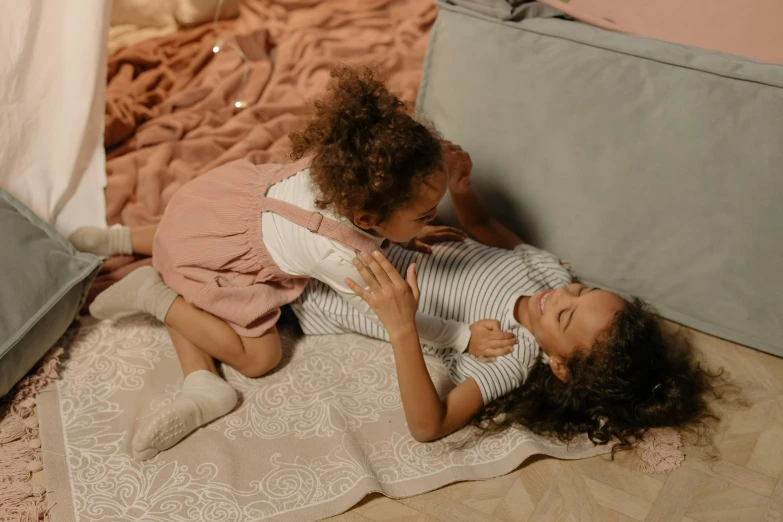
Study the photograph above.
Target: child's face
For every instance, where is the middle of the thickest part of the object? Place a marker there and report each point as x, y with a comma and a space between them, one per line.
569, 318
405, 224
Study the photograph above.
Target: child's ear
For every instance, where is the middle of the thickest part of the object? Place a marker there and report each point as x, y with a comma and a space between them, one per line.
364, 220
559, 368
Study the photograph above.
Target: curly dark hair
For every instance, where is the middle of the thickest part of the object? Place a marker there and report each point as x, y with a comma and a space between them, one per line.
635, 378
368, 152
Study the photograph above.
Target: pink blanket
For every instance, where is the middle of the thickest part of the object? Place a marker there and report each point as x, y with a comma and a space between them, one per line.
170, 101
751, 29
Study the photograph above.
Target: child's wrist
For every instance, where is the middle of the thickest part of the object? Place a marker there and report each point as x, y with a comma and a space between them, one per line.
404, 335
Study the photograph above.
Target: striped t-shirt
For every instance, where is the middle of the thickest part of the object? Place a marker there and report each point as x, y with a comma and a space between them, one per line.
464, 282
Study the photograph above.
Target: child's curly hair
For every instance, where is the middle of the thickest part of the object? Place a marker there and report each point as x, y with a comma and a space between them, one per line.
635, 378
368, 152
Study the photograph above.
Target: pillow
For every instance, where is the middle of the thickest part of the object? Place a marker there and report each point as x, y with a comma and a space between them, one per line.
654, 168
45, 282
194, 12
143, 13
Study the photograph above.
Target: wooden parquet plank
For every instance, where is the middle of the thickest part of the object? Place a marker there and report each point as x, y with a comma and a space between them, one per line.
716, 500
618, 500
698, 459
675, 496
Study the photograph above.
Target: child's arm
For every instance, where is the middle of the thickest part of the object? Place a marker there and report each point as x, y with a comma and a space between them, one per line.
395, 301
471, 212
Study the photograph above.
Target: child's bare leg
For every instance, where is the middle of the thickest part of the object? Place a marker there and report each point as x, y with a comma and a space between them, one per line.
142, 291
142, 238
116, 240
204, 398
191, 357
250, 356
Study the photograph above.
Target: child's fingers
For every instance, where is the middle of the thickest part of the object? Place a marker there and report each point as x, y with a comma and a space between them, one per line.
367, 276
499, 337
391, 273
500, 344
357, 289
450, 235
495, 352
418, 245
412, 281
489, 324
377, 270
442, 234
455, 230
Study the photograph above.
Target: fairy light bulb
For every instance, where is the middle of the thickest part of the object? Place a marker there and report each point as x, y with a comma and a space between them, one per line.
220, 43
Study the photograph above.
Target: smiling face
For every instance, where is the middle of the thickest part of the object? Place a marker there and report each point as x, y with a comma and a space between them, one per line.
568, 319
405, 223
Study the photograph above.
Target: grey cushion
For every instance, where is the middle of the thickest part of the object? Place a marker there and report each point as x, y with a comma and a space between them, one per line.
655, 169
44, 284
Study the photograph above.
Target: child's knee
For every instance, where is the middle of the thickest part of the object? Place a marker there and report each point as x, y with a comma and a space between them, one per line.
261, 362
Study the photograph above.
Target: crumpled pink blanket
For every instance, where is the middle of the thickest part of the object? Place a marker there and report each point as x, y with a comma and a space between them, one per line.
750, 29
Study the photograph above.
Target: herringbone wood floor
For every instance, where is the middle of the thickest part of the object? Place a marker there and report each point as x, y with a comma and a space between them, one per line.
744, 483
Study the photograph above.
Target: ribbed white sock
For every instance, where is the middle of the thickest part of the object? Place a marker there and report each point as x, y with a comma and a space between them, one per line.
141, 291
204, 398
103, 242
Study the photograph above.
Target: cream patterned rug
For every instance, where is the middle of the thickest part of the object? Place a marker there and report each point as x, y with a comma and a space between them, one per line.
305, 443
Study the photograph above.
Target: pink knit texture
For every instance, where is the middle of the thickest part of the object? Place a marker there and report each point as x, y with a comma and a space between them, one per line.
20, 446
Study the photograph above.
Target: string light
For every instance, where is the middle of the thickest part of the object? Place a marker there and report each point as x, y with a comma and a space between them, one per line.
220, 43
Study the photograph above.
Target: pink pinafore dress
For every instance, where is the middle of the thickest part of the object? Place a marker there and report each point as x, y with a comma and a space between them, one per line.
209, 246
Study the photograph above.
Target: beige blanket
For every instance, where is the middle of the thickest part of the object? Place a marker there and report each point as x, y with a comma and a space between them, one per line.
306, 442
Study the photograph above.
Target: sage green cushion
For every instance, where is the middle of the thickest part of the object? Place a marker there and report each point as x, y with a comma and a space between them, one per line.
44, 284
655, 169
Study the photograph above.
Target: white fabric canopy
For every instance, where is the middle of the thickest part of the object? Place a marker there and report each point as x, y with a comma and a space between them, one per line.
52, 81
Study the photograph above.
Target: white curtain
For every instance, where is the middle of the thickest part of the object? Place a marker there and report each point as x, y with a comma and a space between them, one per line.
52, 81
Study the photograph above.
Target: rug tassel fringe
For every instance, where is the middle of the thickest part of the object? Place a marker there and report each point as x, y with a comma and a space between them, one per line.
20, 447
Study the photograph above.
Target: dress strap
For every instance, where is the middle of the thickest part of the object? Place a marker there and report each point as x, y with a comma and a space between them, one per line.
319, 224
285, 171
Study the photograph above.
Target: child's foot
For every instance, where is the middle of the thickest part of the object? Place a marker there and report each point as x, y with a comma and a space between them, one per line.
204, 398
141, 291
103, 242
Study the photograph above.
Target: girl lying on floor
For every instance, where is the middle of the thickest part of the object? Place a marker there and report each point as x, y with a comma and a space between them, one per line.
586, 360
239, 242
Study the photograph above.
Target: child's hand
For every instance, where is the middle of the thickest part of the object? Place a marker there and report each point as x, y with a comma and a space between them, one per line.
393, 299
430, 235
488, 340
459, 167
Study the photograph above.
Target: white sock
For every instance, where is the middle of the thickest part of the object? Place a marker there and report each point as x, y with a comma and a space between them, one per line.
204, 398
103, 242
141, 291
